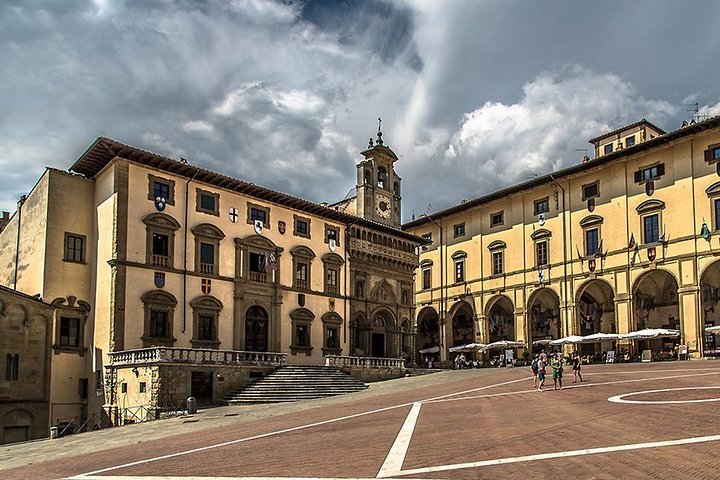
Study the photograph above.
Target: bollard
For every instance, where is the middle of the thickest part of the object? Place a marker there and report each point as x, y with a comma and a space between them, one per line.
191, 406
54, 433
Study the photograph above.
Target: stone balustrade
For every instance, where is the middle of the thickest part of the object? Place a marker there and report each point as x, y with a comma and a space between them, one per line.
363, 362
176, 355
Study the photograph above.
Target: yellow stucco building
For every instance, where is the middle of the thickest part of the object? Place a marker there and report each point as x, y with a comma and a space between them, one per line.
625, 241
172, 280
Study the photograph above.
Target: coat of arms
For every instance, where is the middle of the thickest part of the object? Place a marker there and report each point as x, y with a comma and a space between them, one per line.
160, 203
592, 264
159, 279
233, 214
651, 254
206, 286
282, 227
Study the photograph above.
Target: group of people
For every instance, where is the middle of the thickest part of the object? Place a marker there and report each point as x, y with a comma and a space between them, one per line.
539, 368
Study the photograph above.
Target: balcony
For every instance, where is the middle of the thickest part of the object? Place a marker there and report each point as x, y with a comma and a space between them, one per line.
160, 260
175, 355
331, 289
207, 268
301, 284
260, 277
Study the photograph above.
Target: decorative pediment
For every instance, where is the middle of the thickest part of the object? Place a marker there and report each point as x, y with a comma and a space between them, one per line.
259, 242
497, 245
302, 251
650, 206
161, 220
206, 302
426, 263
458, 255
541, 233
71, 303
302, 314
333, 258
591, 220
208, 230
331, 317
159, 297
713, 189
383, 292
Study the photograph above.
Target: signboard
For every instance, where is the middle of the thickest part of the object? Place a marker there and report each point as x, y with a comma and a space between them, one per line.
647, 356
610, 358
509, 356
683, 349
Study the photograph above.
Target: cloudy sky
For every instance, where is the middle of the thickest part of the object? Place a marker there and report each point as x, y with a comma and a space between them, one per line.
474, 95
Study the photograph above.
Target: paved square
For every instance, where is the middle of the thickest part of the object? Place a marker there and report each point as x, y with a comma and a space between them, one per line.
625, 421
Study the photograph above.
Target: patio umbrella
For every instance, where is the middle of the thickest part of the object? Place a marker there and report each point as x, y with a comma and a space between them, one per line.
597, 337
544, 341
649, 333
569, 339
715, 329
434, 349
503, 344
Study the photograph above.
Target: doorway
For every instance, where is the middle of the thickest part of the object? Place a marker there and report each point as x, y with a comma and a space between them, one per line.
378, 345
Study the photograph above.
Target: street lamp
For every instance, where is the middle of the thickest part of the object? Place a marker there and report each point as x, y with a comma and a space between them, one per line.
442, 289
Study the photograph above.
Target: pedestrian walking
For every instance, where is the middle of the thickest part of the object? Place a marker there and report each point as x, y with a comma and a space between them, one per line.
557, 372
534, 367
541, 373
576, 367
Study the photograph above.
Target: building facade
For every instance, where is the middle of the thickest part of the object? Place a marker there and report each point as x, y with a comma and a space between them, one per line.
626, 241
25, 354
188, 282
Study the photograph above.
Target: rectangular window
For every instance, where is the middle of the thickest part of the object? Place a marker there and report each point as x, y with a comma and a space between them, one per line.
301, 275
333, 340
74, 248
541, 249
497, 263
332, 278
459, 230
497, 219
257, 262
650, 173
69, 332
12, 366
207, 258
427, 279
159, 324
630, 141
301, 227
257, 214
542, 206
608, 148
332, 233
206, 327
591, 191
591, 241
427, 236
716, 202
161, 190
715, 153
651, 228
459, 272
160, 249
143, 387
83, 388
208, 202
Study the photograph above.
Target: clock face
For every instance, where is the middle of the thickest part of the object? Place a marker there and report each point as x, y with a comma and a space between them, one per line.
383, 206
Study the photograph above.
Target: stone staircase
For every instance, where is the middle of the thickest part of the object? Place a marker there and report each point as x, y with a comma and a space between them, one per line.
291, 383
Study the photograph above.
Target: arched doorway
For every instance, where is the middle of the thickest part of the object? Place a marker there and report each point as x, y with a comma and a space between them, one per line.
595, 313
17, 426
428, 335
256, 329
544, 317
501, 319
463, 326
710, 301
381, 341
655, 305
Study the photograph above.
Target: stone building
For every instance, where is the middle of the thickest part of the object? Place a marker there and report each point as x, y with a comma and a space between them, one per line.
187, 282
25, 353
625, 241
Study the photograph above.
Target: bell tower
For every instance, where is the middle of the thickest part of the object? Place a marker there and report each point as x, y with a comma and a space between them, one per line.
378, 186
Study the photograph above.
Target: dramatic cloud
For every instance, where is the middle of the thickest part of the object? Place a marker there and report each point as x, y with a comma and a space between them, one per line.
286, 93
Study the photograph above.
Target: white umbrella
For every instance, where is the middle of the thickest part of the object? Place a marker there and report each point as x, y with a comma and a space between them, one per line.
544, 341
715, 329
457, 348
597, 337
649, 333
468, 347
569, 339
434, 349
503, 344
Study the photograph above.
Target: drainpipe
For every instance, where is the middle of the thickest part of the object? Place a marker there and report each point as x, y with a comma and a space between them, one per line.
565, 298
185, 270
20, 203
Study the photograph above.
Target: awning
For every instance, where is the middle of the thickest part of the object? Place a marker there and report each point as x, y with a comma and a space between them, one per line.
503, 344
715, 329
434, 349
597, 337
566, 340
649, 333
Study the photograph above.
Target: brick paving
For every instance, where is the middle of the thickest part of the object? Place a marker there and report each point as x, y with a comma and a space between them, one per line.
494, 414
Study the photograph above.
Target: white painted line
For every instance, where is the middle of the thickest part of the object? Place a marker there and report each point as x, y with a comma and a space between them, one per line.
621, 398
286, 430
396, 456
569, 453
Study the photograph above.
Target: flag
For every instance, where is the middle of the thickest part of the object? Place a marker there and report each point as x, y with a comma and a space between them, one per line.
270, 263
598, 253
582, 262
631, 243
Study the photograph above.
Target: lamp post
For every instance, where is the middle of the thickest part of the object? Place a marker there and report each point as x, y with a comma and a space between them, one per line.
443, 353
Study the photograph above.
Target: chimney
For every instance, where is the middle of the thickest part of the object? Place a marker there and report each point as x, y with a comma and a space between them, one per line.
6, 215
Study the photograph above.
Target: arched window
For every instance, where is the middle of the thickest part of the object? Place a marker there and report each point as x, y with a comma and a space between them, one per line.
382, 177
368, 177
206, 314
159, 311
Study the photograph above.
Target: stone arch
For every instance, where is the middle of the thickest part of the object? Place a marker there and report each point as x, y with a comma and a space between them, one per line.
383, 292
257, 328
500, 319
463, 324
655, 300
428, 329
595, 313
17, 426
710, 302
382, 329
543, 314
161, 220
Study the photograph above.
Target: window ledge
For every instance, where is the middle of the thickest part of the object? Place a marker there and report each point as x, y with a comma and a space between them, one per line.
58, 349
497, 275
331, 351
74, 261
